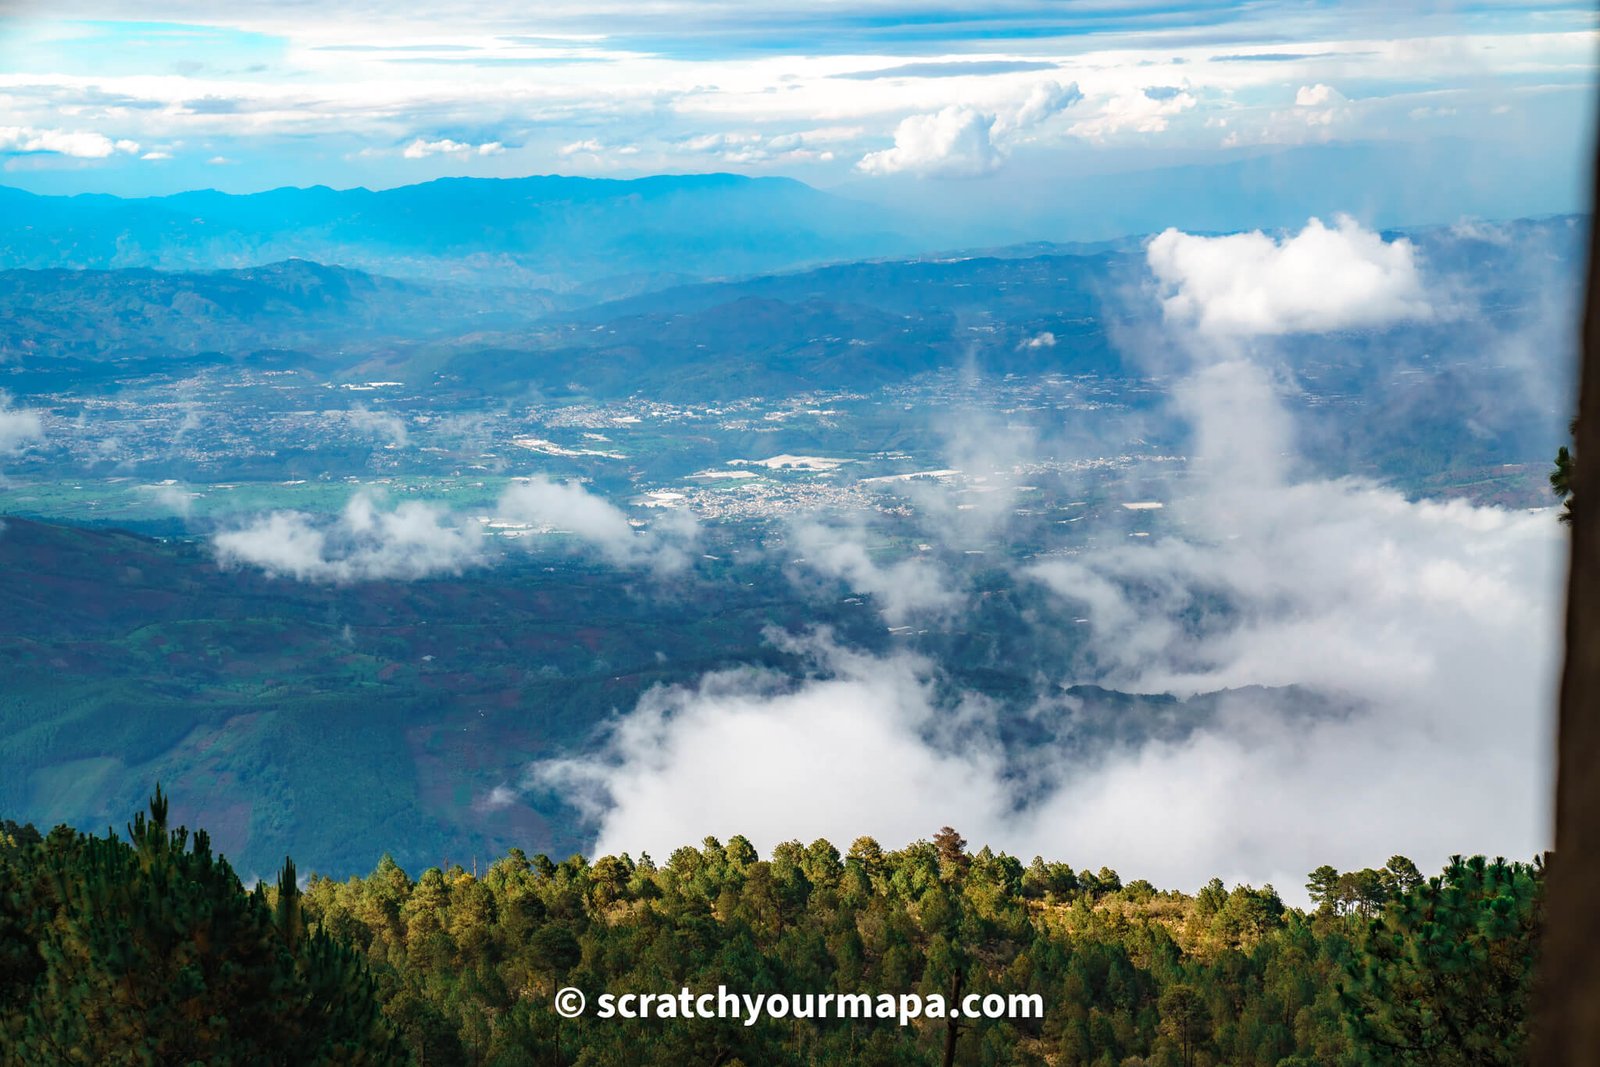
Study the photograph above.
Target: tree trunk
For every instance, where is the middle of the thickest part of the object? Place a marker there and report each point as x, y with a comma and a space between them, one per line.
952, 1026
1567, 1020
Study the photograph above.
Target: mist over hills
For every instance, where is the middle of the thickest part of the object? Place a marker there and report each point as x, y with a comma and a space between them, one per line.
495, 461
393, 708
540, 232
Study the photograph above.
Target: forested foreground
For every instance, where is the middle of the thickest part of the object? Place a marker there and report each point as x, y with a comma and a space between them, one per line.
146, 949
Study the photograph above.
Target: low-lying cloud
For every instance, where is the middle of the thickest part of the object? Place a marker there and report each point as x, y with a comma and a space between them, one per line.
415, 539
363, 543
1321, 279
384, 425
1384, 667
902, 589
570, 508
19, 427
835, 756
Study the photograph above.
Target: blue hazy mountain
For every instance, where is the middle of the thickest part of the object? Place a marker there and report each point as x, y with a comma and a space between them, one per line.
542, 231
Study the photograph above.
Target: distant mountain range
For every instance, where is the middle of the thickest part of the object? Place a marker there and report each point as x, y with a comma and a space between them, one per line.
542, 232
59, 320
849, 325
1032, 308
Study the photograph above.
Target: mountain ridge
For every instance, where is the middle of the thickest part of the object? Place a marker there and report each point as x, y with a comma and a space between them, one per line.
540, 231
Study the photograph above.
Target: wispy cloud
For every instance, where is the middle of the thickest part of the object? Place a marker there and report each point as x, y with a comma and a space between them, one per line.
19, 427
956, 68
918, 88
568, 507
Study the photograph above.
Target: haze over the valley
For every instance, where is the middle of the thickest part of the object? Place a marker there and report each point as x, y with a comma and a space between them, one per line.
1120, 433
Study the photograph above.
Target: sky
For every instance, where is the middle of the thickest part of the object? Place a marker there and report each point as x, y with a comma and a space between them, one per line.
1018, 109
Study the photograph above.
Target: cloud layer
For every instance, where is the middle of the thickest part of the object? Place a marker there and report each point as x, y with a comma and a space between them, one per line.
1385, 666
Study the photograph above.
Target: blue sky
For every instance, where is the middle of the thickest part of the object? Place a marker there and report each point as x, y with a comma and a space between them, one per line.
967, 108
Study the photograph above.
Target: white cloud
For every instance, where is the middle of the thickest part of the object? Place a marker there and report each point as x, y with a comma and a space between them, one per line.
1437, 634
1318, 95
416, 539
964, 142
1317, 280
1419, 639
746, 752
1043, 102
952, 143
1040, 340
568, 507
501, 796
80, 144
421, 149
904, 589
1132, 110
382, 424
19, 427
363, 543
174, 497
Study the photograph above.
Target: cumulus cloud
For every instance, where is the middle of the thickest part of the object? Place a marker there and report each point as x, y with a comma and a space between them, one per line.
422, 149
1435, 623
80, 144
953, 143
363, 543
1318, 95
1320, 279
1383, 669
963, 142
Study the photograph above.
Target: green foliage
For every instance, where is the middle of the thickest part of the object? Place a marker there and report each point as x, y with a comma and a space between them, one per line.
1445, 972
149, 951
1561, 476
1128, 974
